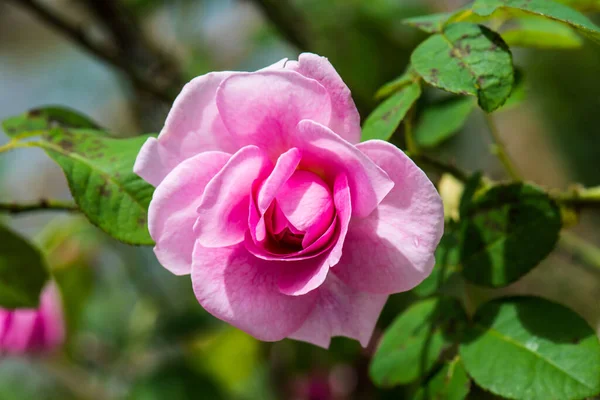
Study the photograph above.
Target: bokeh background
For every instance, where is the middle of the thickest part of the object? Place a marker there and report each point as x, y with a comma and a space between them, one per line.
136, 331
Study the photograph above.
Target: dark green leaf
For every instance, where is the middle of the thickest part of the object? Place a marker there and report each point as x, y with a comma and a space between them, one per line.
472, 185
43, 118
447, 257
440, 121
23, 271
451, 383
506, 232
582, 5
541, 33
391, 87
519, 92
545, 8
383, 122
99, 171
429, 23
413, 343
530, 348
467, 59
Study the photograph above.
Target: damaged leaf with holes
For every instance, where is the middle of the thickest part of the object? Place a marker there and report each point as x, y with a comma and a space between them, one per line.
467, 59
99, 170
44, 118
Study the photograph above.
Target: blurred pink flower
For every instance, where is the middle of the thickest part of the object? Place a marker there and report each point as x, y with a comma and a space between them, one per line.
288, 226
27, 331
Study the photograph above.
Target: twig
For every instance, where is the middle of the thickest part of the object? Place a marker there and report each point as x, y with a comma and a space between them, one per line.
582, 250
287, 20
41, 205
79, 37
411, 145
440, 166
579, 197
500, 150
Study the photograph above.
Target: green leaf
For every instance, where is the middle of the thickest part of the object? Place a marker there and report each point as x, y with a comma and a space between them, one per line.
440, 121
447, 258
582, 5
546, 8
428, 23
400, 82
531, 348
413, 343
519, 92
451, 383
467, 59
43, 118
507, 231
99, 171
541, 33
385, 119
472, 186
23, 272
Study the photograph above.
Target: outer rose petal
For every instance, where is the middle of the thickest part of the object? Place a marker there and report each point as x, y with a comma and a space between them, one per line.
172, 212
345, 120
19, 327
263, 108
223, 211
341, 311
325, 152
51, 310
392, 250
240, 289
193, 126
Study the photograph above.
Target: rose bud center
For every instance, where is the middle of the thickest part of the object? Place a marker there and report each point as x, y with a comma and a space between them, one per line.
301, 212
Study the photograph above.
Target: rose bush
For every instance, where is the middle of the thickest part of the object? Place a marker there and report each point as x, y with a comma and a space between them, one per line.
288, 226
25, 331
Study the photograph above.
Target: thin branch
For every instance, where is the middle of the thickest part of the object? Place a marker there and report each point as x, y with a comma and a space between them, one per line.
79, 37
287, 20
440, 166
581, 250
41, 205
409, 136
500, 150
579, 197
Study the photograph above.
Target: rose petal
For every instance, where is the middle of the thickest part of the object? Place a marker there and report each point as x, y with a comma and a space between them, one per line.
341, 311
325, 153
192, 126
263, 108
51, 312
345, 120
241, 289
19, 330
392, 250
172, 212
223, 211
284, 169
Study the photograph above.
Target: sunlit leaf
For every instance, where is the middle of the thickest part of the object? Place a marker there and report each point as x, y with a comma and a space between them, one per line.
413, 343
546, 8
441, 121
541, 33
531, 348
468, 59
385, 119
393, 86
43, 118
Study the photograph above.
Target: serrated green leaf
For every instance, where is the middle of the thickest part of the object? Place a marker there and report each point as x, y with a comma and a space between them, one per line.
451, 383
385, 119
531, 348
413, 343
441, 121
582, 5
541, 33
400, 82
467, 59
546, 8
428, 23
23, 271
507, 231
447, 258
43, 118
99, 171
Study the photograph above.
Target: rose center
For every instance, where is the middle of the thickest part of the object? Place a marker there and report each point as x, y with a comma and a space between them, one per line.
301, 212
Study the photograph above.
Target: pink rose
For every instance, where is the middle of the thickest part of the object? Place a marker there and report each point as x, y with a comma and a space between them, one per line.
25, 330
288, 226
